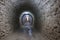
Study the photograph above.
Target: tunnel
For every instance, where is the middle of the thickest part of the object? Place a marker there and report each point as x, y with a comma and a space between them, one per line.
25, 7
46, 14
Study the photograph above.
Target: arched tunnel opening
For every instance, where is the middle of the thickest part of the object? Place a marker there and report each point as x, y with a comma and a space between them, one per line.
22, 8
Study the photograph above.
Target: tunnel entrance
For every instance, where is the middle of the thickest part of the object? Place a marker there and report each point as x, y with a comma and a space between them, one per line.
22, 8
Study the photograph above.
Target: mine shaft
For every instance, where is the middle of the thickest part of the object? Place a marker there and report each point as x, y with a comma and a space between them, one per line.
29, 19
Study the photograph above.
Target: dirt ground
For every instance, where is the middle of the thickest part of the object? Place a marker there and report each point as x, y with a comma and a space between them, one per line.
23, 36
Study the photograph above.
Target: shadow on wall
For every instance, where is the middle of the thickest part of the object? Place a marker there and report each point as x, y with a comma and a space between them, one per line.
19, 10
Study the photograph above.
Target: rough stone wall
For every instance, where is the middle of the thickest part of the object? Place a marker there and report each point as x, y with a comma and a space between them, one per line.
6, 13
4, 24
48, 16
50, 19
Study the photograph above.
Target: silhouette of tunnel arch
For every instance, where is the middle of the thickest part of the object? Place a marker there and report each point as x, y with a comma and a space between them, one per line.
25, 7
24, 14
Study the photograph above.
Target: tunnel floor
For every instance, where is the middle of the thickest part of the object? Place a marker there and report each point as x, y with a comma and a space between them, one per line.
22, 36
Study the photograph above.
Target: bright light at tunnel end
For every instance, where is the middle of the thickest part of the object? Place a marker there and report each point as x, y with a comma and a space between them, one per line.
27, 13
27, 17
